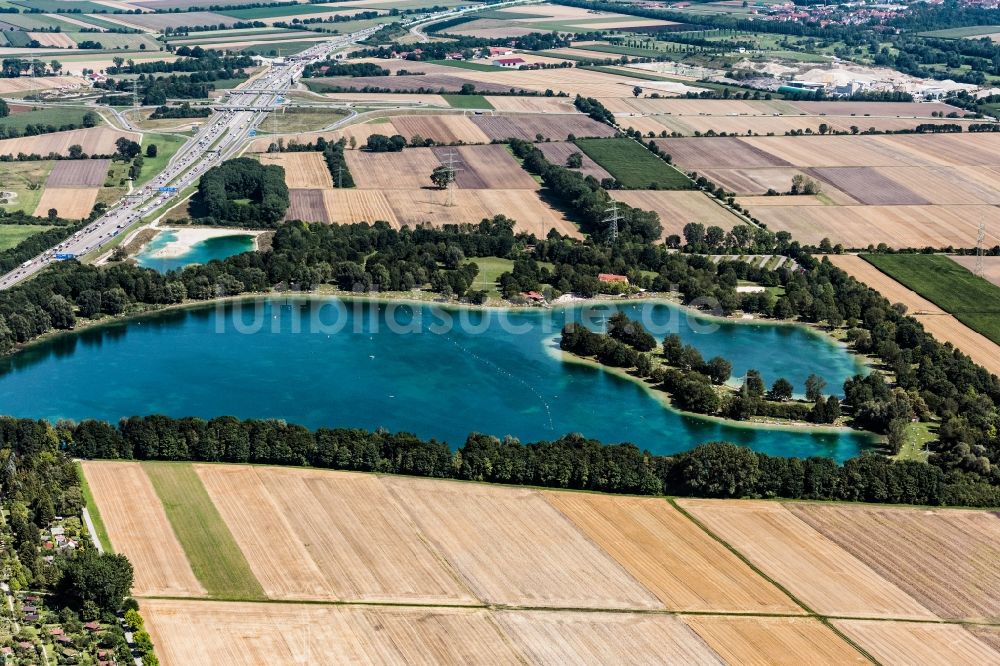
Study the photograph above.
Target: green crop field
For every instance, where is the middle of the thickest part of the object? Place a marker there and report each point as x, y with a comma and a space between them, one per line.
214, 555
971, 299
12, 234
468, 101
632, 165
54, 116
961, 33
465, 64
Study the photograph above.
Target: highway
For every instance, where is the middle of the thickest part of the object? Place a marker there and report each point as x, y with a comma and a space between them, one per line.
219, 138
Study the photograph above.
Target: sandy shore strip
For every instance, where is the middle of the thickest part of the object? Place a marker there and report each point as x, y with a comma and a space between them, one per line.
186, 238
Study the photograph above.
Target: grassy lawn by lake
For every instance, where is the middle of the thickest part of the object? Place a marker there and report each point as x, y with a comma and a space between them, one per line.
12, 234
468, 101
972, 300
632, 165
915, 442
215, 557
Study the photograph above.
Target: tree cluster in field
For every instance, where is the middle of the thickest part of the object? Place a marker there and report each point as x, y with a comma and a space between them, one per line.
380, 143
243, 192
535, 41
572, 461
690, 380
156, 90
593, 108
194, 59
185, 110
338, 68
586, 198
37, 483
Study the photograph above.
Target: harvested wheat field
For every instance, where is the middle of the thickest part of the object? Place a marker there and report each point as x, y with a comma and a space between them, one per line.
756, 181
671, 556
73, 203
774, 641
358, 537
374, 99
78, 173
302, 170
833, 151
490, 167
443, 128
556, 127
557, 638
718, 153
906, 643
860, 109
869, 186
93, 140
679, 207
26, 83
943, 185
530, 213
512, 547
408, 169
896, 226
306, 205
532, 104
238, 634
351, 205
944, 558
359, 133
138, 527
944, 327
58, 40
558, 151
810, 566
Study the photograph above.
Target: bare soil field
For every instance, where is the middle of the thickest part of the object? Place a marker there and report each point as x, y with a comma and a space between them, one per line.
896, 226
719, 153
490, 167
947, 185
93, 140
138, 527
679, 207
78, 173
823, 575
557, 638
945, 559
26, 83
302, 170
901, 643
244, 634
671, 556
512, 547
443, 129
991, 266
528, 127
409, 169
306, 205
908, 109
869, 186
74, 203
358, 537
773, 641
158, 22
532, 104
948, 149
558, 151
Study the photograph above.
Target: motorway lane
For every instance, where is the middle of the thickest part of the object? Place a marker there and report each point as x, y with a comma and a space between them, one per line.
221, 137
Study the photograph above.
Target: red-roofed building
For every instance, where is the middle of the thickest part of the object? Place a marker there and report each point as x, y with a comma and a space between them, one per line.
611, 277
534, 296
500, 50
509, 63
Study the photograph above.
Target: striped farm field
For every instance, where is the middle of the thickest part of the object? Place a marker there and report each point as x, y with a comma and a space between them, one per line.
919, 643
679, 207
302, 170
93, 140
72, 203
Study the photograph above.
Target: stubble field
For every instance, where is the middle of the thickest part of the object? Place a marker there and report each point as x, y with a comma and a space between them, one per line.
73, 203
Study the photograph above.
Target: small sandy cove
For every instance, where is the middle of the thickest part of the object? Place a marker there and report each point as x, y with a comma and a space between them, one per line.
187, 237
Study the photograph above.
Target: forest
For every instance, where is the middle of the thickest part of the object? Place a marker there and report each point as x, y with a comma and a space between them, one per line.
243, 192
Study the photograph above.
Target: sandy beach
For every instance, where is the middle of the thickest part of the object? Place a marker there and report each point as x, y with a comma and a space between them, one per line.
186, 238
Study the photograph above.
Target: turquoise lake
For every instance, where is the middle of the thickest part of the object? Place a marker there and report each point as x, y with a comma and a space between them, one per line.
201, 252
437, 373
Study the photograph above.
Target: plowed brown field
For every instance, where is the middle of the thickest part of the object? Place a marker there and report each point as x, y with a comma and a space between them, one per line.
774, 641
78, 173
138, 527
511, 547
904, 643
676, 560
823, 575
945, 558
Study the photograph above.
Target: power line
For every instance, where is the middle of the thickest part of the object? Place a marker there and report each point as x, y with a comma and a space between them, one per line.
452, 172
613, 217
980, 239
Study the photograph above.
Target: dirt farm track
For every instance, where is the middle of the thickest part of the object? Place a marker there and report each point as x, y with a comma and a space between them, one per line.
363, 568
